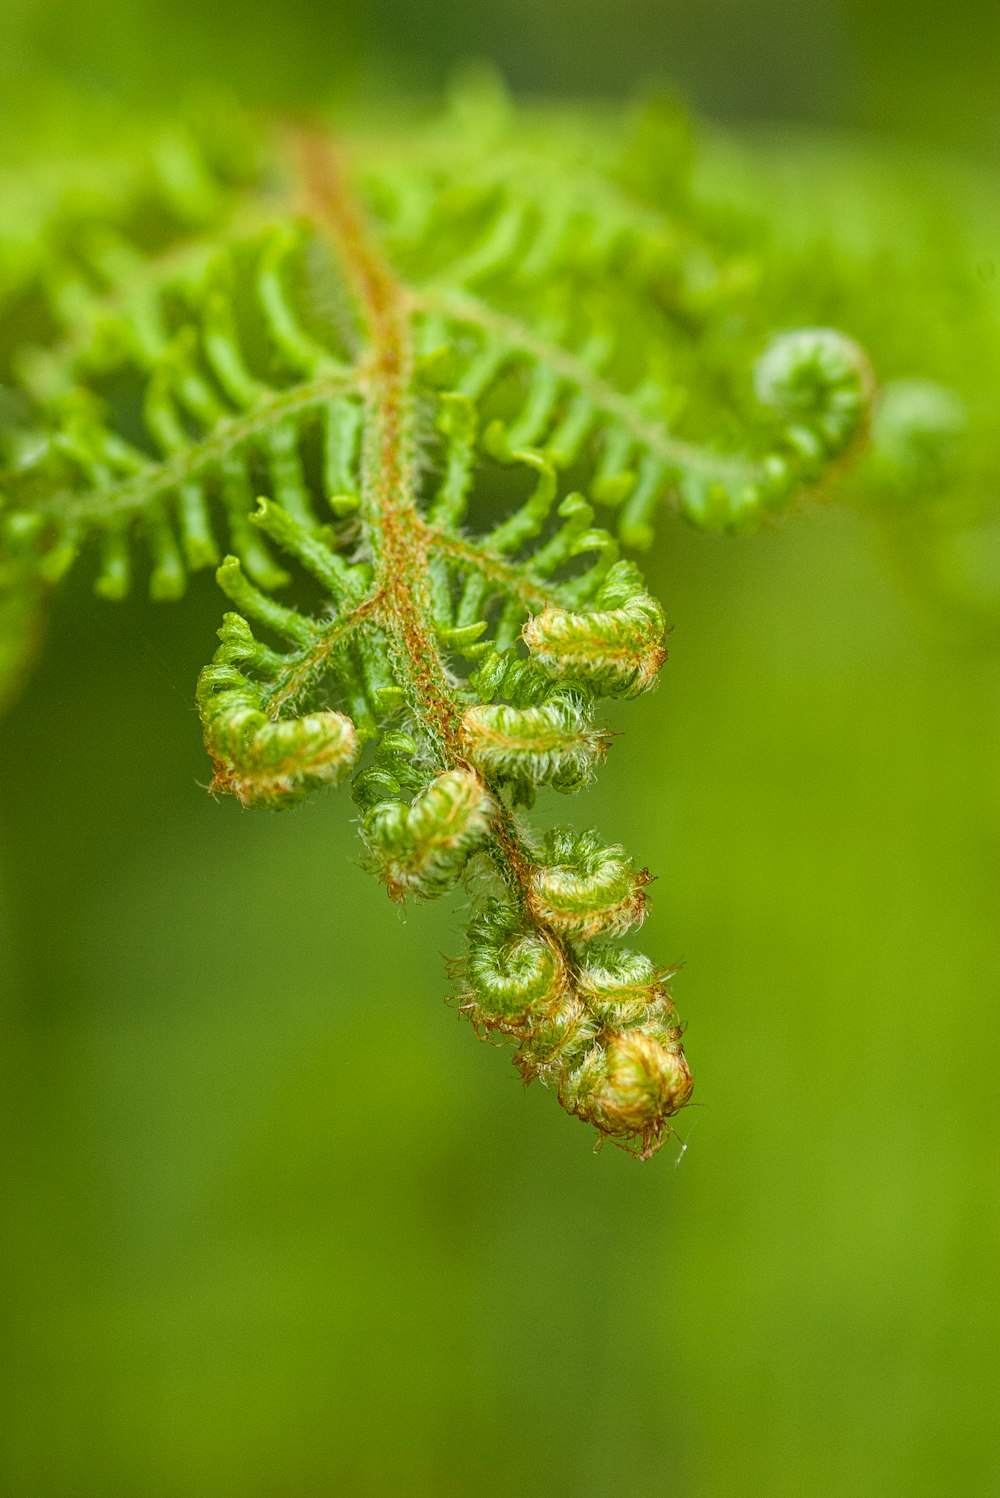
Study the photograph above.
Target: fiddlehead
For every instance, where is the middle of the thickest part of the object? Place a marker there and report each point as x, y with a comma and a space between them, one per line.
437, 370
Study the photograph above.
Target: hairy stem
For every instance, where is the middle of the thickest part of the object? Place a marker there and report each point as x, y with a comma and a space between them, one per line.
401, 538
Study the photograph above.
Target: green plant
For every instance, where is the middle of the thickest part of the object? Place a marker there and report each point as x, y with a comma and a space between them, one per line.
431, 384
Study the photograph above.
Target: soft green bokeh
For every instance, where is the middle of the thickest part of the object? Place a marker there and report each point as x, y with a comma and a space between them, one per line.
275, 1224
281, 1226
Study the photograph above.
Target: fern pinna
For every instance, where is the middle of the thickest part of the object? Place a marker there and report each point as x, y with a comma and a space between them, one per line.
404, 376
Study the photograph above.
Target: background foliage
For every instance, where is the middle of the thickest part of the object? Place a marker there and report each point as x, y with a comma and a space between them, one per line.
272, 1224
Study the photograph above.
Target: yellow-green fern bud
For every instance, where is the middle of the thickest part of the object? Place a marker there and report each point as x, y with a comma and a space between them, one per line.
583, 889
519, 983
623, 989
617, 648
264, 762
511, 973
629, 1085
558, 1038
550, 744
421, 849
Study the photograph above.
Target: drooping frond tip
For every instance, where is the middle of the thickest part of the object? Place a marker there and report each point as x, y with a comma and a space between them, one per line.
412, 403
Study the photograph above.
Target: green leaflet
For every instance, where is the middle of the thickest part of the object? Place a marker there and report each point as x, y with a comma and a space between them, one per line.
422, 849
411, 403
551, 744
581, 889
268, 763
616, 646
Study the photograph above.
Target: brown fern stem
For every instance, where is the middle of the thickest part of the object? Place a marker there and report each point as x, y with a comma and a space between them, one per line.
401, 537
402, 578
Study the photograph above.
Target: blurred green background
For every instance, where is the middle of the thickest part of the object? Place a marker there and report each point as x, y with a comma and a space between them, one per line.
274, 1225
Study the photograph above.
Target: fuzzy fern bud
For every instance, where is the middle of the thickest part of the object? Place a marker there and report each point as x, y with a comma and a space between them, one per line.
629, 1084
582, 889
422, 849
625, 988
267, 764
616, 647
513, 972
551, 744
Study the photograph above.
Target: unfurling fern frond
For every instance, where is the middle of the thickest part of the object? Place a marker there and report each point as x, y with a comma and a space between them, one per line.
412, 400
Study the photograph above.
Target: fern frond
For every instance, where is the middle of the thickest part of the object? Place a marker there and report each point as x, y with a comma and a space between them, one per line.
401, 385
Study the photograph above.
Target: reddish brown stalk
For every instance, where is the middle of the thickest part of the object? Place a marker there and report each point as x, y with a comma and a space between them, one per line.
400, 536
402, 580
